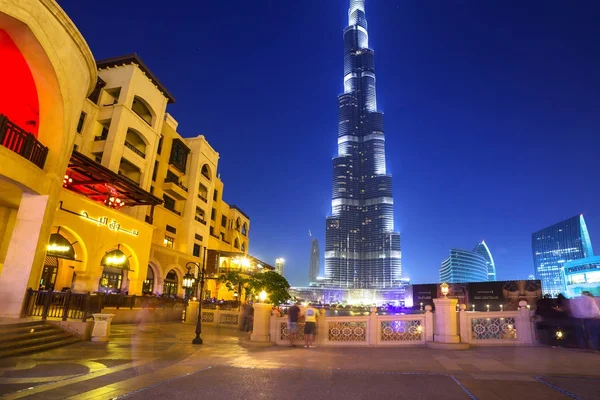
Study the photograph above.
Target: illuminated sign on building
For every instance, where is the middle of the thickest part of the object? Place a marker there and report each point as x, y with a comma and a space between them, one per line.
111, 224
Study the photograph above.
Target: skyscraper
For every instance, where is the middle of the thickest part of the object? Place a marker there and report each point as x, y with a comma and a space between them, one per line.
315, 261
556, 245
279, 265
483, 250
361, 248
464, 266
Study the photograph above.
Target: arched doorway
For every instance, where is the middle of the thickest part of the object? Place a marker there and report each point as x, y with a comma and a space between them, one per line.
116, 265
148, 286
59, 247
171, 284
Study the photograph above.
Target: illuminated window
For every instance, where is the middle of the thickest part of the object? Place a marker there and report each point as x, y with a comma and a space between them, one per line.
169, 242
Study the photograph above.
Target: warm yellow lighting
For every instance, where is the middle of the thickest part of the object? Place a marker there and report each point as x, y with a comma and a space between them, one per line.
444, 287
559, 334
194, 299
262, 296
245, 262
55, 248
488, 307
116, 260
419, 329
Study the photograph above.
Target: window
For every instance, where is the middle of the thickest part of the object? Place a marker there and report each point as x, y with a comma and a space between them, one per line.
215, 195
171, 229
205, 172
171, 177
169, 202
236, 243
81, 122
151, 189
224, 221
179, 154
244, 229
160, 143
198, 237
196, 251
169, 242
202, 192
154, 171
213, 214
141, 108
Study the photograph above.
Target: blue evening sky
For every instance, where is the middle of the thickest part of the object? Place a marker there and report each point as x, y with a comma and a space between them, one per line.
492, 113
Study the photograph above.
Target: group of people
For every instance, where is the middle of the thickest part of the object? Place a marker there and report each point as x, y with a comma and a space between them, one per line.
309, 315
569, 322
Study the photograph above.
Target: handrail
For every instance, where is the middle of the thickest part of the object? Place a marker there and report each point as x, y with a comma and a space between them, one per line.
22, 142
135, 150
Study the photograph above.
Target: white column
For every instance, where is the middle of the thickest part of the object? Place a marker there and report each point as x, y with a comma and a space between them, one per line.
373, 327
262, 316
525, 331
465, 329
445, 335
428, 324
18, 272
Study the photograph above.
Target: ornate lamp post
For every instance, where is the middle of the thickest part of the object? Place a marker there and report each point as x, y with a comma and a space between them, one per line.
444, 287
201, 271
188, 280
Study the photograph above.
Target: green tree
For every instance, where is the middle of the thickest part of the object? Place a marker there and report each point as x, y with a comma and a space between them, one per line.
234, 281
271, 282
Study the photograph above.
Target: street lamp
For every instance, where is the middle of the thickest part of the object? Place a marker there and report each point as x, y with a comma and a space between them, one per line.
188, 279
444, 287
262, 296
201, 271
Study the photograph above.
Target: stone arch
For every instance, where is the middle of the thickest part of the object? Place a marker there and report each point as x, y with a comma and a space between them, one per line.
136, 140
143, 109
206, 172
245, 229
236, 243
243, 247
178, 269
158, 275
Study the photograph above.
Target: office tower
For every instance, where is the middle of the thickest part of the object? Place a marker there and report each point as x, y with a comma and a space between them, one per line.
464, 266
315, 260
556, 245
279, 264
483, 250
361, 248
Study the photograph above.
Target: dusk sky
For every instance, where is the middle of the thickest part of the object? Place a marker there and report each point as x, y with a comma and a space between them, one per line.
492, 113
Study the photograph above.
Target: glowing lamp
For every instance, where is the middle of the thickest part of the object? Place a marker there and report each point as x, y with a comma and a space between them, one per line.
188, 280
445, 288
559, 334
487, 306
116, 260
56, 248
262, 296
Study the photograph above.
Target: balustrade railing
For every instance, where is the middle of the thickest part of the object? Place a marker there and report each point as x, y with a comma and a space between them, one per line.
22, 142
80, 306
135, 149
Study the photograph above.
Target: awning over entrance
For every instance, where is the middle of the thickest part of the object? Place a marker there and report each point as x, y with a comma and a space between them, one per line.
98, 183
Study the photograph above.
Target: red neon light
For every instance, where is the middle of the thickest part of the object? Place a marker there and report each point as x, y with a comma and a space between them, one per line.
18, 94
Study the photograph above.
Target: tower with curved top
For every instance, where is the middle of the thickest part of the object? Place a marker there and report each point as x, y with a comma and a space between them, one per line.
483, 250
362, 250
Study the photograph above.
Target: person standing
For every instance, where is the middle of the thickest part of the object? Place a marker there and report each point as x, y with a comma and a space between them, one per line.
293, 314
310, 326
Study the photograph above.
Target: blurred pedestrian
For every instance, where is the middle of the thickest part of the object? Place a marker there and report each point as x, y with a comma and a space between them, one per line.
310, 325
293, 314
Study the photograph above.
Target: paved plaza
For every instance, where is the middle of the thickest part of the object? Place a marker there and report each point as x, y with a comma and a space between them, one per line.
158, 361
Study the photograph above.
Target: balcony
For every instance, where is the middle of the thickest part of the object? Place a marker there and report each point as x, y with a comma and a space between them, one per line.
22, 142
202, 198
173, 211
175, 188
128, 179
100, 138
135, 150
200, 219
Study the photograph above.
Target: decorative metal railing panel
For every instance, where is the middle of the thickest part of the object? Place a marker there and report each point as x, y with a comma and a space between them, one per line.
347, 331
401, 331
496, 328
229, 319
208, 317
14, 138
284, 332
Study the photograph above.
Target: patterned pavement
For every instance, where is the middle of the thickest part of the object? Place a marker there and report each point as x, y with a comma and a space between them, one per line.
154, 361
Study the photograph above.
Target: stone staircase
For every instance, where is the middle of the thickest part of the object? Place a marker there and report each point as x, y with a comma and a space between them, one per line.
32, 337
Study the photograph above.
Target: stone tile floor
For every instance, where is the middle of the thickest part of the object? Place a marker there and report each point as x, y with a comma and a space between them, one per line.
157, 361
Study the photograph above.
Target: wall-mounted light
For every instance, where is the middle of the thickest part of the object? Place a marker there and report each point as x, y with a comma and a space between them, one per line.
115, 260
56, 248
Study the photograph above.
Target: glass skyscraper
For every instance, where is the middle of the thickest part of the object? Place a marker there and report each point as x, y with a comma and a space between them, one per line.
556, 245
315, 261
464, 266
361, 248
483, 250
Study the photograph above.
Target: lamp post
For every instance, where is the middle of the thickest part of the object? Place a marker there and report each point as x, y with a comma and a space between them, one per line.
188, 280
444, 287
201, 271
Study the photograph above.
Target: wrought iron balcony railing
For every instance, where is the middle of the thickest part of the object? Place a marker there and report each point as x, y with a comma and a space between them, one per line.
22, 142
135, 150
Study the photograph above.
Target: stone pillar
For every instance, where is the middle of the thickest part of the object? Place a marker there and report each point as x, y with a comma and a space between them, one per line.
23, 255
262, 316
445, 335
101, 330
373, 326
525, 331
191, 313
464, 331
428, 324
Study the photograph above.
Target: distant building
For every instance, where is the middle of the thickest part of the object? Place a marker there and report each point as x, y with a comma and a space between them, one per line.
582, 275
315, 261
279, 264
483, 250
464, 266
557, 245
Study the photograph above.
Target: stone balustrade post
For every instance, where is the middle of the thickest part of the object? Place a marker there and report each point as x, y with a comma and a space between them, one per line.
428, 324
445, 335
322, 329
373, 326
262, 317
217, 316
464, 328
273, 328
525, 332
191, 313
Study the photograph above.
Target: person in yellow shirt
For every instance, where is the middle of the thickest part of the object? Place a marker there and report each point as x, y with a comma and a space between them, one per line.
310, 326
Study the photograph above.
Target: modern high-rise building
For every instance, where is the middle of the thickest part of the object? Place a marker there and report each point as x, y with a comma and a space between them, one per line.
483, 250
361, 248
279, 265
464, 266
315, 261
556, 245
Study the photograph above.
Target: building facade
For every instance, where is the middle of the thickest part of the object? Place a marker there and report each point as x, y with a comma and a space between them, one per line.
47, 70
315, 261
483, 250
582, 275
361, 248
557, 245
463, 266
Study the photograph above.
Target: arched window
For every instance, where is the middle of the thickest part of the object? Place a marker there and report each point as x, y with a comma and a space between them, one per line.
60, 247
114, 263
135, 142
245, 229
141, 108
238, 224
148, 285
236, 243
171, 284
243, 247
205, 171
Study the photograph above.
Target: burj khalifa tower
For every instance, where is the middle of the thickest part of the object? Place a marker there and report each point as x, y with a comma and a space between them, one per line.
362, 251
